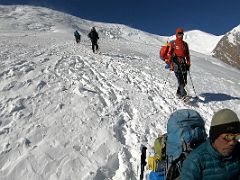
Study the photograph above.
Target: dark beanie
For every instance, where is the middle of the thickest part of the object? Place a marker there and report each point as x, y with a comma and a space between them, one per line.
224, 121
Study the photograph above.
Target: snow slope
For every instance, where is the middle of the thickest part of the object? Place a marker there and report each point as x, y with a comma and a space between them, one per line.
66, 113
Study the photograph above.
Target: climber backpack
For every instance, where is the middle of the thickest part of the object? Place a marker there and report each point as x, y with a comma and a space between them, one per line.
185, 131
163, 51
157, 162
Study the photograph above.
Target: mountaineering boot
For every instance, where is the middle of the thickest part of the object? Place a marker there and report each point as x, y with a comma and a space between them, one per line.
178, 94
182, 90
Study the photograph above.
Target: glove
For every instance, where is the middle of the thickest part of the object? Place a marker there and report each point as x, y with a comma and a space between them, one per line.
168, 61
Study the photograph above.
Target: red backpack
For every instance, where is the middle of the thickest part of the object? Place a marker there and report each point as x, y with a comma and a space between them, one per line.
163, 51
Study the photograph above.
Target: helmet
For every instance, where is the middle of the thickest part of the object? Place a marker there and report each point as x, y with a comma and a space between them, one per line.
179, 30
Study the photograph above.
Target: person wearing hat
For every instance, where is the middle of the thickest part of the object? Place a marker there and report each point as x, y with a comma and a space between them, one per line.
93, 35
179, 57
219, 156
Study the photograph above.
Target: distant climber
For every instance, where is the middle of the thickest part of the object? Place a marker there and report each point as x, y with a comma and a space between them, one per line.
77, 36
178, 56
93, 35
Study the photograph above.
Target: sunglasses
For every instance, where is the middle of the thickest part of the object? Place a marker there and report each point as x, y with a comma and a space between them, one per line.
230, 137
181, 33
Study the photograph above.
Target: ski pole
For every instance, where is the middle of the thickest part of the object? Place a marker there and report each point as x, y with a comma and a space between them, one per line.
192, 83
143, 161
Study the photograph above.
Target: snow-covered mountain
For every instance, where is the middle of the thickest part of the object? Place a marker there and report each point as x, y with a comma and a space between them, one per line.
228, 47
200, 41
66, 113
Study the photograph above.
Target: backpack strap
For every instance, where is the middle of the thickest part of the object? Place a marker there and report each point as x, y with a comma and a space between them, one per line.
186, 147
174, 170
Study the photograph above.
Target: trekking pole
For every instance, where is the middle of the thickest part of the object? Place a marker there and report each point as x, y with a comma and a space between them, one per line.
143, 161
192, 84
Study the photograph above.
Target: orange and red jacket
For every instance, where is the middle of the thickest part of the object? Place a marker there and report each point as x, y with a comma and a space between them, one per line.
180, 49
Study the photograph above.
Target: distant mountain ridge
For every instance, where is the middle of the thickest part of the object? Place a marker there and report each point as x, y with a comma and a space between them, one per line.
228, 47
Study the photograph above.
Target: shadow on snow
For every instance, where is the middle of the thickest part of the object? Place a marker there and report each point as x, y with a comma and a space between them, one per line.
208, 97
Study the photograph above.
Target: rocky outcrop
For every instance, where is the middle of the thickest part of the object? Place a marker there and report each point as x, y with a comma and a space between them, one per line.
228, 48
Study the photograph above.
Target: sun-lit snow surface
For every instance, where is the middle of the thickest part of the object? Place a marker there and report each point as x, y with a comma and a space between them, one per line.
66, 113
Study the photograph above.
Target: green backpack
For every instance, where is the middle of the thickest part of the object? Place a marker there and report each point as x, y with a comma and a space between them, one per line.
157, 162
160, 147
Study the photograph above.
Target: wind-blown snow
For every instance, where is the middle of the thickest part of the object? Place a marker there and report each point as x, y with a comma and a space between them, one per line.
66, 113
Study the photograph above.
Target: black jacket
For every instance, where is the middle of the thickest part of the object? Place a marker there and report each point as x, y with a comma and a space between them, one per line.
93, 35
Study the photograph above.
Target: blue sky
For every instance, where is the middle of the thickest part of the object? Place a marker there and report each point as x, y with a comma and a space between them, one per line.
154, 16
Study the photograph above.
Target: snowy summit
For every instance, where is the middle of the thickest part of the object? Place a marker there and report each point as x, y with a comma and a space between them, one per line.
66, 113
